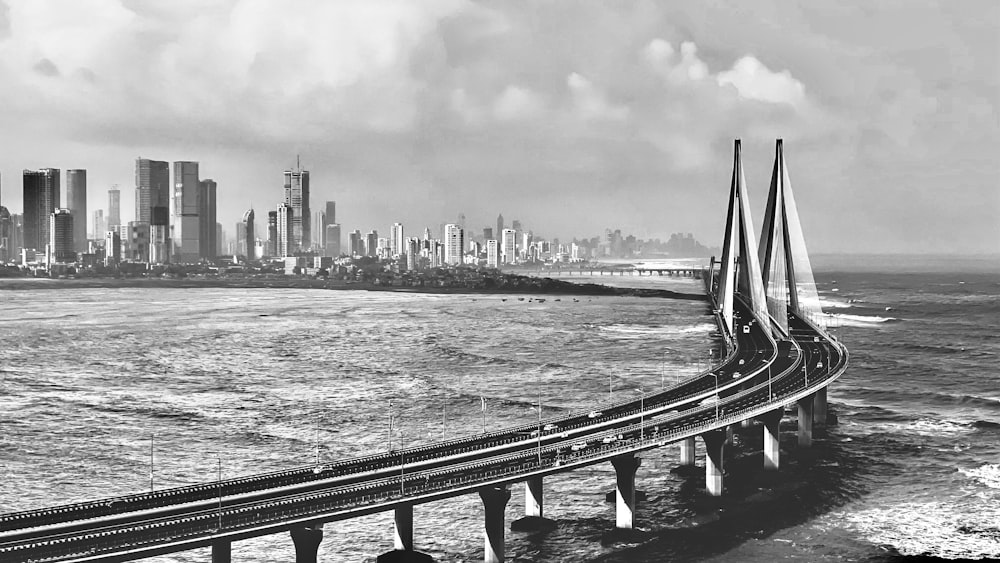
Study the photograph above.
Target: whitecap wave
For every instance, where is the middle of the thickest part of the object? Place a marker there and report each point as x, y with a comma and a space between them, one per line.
988, 474
936, 529
921, 427
640, 331
859, 321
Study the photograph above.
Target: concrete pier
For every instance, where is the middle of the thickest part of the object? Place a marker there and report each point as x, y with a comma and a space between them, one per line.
307, 540
820, 407
715, 444
625, 467
494, 502
222, 551
533, 505
772, 433
403, 539
687, 451
806, 408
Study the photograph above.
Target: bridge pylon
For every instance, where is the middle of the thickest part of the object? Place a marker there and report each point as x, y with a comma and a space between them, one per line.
787, 273
739, 269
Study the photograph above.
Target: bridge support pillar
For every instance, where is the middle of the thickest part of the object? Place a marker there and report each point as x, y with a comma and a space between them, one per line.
403, 539
494, 503
625, 467
715, 444
806, 408
222, 551
820, 407
307, 540
533, 497
772, 433
687, 451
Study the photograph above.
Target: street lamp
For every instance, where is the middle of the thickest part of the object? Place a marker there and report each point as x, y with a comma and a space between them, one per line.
716, 376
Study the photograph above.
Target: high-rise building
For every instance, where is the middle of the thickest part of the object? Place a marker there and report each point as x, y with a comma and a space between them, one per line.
112, 247
331, 212
516, 225
220, 240
114, 208
371, 243
100, 225
6, 236
357, 243
454, 244
297, 197
499, 224
492, 254
152, 190
319, 228
508, 250
41, 199
487, 233
16, 235
184, 228
76, 202
135, 241
61, 232
272, 233
249, 235
332, 246
207, 242
396, 240
285, 231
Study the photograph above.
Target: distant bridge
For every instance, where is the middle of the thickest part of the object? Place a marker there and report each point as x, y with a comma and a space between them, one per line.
775, 356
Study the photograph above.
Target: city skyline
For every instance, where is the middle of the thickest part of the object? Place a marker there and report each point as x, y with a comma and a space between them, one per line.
617, 114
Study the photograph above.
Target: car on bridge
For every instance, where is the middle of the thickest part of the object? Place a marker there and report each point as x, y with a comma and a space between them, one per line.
594, 414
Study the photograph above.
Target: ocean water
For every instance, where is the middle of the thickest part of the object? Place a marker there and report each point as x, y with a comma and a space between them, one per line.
267, 379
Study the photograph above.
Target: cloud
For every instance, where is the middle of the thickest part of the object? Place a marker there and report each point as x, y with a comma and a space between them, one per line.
754, 81
591, 103
516, 103
46, 67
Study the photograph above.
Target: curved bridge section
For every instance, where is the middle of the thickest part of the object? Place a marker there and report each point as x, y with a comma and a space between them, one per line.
771, 362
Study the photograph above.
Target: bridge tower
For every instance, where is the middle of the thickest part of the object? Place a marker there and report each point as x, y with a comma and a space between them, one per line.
787, 273
739, 269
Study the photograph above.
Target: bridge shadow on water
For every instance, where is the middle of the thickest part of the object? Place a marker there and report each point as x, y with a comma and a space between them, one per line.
683, 523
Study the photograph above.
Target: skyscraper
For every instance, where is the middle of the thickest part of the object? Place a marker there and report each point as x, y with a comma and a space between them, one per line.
41, 199
319, 229
508, 250
492, 254
114, 208
397, 240
99, 225
331, 212
454, 243
184, 228
76, 201
61, 232
6, 235
112, 247
297, 197
499, 224
332, 247
152, 189
249, 236
207, 241
371, 243
357, 243
272, 233
285, 231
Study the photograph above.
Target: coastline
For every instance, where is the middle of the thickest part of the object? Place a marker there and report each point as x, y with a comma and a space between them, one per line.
550, 287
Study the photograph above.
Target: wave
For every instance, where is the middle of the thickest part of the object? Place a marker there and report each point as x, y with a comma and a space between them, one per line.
920, 427
988, 474
936, 529
638, 331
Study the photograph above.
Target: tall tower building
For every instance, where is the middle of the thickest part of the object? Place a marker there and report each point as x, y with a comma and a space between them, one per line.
297, 197
285, 231
41, 199
207, 240
61, 232
272, 233
318, 226
492, 254
332, 247
331, 212
371, 243
397, 240
499, 224
152, 190
7, 249
184, 229
329, 217
508, 249
454, 243
112, 247
249, 235
357, 243
76, 201
100, 225
114, 208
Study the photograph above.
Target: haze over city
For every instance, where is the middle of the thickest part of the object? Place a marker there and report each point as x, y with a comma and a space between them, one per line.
570, 117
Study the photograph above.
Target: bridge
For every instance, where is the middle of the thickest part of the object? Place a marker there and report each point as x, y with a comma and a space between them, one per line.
601, 270
764, 300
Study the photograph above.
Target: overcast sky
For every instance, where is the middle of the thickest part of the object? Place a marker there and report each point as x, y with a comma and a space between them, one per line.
570, 116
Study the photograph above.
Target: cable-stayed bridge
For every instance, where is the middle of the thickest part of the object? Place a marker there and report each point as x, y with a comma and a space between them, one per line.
763, 297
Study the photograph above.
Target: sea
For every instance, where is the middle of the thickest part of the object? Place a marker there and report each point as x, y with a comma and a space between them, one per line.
107, 392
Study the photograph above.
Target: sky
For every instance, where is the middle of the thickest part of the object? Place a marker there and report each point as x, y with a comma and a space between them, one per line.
570, 116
